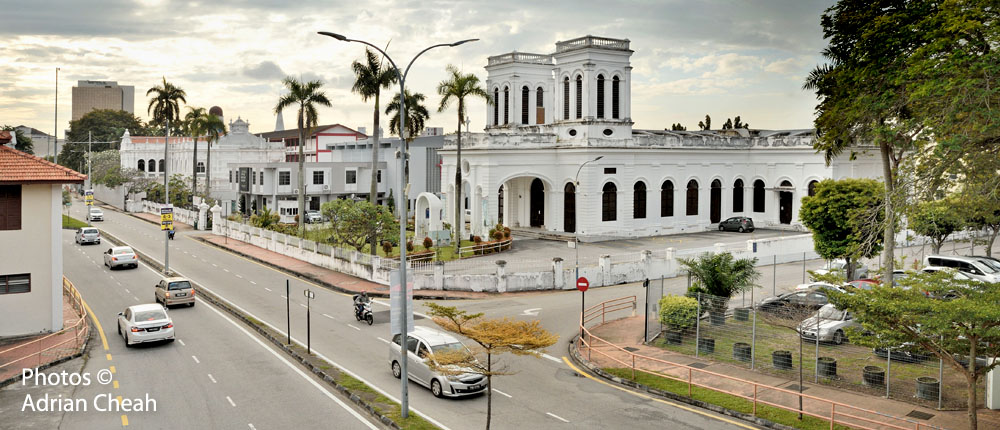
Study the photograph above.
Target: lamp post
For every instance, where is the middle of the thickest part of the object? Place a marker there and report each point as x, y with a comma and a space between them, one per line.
404, 402
55, 123
576, 235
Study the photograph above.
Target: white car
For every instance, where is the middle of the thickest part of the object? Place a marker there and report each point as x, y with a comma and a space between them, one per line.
813, 286
95, 214
423, 342
833, 324
839, 265
120, 256
145, 323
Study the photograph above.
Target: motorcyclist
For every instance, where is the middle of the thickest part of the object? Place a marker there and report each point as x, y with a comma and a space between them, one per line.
170, 234
360, 301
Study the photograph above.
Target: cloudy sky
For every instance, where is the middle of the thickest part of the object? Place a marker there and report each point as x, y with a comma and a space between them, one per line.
692, 57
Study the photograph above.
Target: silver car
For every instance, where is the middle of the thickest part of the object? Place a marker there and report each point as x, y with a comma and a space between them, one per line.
175, 291
145, 323
120, 256
422, 343
95, 214
88, 235
832, 325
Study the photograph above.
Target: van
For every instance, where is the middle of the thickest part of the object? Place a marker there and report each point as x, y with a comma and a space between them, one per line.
971, 266
421, 344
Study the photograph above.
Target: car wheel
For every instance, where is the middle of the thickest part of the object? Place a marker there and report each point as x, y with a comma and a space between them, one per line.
436, 389
370, 319
119, 329
838, 337
191, 305
128, 344
396, 370
742, 229
721, 228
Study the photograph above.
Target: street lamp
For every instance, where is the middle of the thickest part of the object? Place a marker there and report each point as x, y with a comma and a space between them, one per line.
576, 235
404, 403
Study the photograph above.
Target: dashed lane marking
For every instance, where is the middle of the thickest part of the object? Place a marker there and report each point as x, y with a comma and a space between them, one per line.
231, 401
195, 359
352, 326
212, 378
181, 342
502, 393
328, 316
555, 416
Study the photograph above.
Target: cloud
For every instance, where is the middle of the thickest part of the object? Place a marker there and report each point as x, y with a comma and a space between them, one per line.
265, 70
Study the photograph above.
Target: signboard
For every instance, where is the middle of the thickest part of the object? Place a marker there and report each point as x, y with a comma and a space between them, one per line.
582, 284
167, 217
244, 178
88, 196
396, 304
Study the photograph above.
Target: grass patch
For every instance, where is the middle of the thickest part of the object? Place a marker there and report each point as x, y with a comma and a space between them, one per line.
69, 222
727, 401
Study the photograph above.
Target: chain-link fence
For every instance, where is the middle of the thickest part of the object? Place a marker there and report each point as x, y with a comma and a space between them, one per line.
767, 338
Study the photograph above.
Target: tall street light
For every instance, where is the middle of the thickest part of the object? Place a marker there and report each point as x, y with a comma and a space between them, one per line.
576, 235
404, 403
55, 123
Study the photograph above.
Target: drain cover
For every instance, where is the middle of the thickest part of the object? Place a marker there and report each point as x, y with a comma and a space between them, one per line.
631, 349
919, 415
795, 387
698, 365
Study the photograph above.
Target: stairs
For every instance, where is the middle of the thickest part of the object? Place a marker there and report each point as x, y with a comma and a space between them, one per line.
537, 233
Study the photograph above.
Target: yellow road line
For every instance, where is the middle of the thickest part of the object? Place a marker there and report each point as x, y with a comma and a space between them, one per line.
686, 408
112, 369
124, 420
109, 357
100, 330
115, 384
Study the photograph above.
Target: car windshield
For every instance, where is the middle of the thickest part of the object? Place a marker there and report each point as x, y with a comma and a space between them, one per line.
830, 313
90, 231
152, 315
989, 266
448, 347
179, 285
120, 251
836, 265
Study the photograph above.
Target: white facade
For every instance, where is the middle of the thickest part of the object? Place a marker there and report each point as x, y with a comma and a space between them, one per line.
648, 182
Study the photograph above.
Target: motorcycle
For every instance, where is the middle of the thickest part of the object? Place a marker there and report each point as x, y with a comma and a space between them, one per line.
363, 312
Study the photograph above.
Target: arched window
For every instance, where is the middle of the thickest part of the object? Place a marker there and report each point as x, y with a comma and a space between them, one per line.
579, 97
615, 97
738, 196
496, 106
692, 197
162, 166
639, 200
609, 202
758, 196
506, 105
667, 198
600, 96
524, 105
540, 105
812, 187
201, 169
151, 165
142, 165
566, 97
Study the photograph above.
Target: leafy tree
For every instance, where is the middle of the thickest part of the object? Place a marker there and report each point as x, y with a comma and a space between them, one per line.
307, 96
105, 168
104, 128
982, 212
737, 123
24, 143
728, 125
936, 220
844, 217
457, 87
677, 127
180, 194
355, 223
370, 77
134, 181
493, 337
165, 105
720, 275
706, 124
213, 128
956, 330
416, 116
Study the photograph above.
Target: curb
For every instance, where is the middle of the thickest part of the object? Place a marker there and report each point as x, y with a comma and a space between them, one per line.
83, 350
578, 359
215, 301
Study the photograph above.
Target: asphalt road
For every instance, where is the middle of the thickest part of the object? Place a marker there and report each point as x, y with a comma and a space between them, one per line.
215, 375
544, 393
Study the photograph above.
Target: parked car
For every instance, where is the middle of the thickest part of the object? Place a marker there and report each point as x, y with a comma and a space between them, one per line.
975, 267
145, 323
788, 302
120, 256
175, 291
313, 217
839, 266
815, 286
95, 214
737, 223
865, 284
907, 353
833, 324
423, 342
86, 235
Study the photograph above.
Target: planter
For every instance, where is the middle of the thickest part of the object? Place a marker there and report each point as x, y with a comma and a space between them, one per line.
674, 337
706, 345
873, 376
928, 388
826, 367
742, 351
741, 314
717, 317
782, 360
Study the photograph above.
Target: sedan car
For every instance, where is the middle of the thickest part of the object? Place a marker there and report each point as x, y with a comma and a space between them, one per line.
95, 214
422, 344
175, 291
839, 265
828, 324
145, 323
737, 223
313, 217
794, 302
120, 256
86, 235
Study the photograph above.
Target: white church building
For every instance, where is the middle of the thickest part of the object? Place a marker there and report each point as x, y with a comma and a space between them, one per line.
559, 154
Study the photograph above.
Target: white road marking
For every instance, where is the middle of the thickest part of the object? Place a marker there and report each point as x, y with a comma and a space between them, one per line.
234, 404
352, 326
503, 394
136, 298
328, 316
239, 276
120, 284
544, 355
195, 359
226, 270
414, 313
181, 342
268, 289
300, 304
386, 341
215, 265
126, 290
284, 296
531, 312
252, 282
251, 426
554, 416
216, 382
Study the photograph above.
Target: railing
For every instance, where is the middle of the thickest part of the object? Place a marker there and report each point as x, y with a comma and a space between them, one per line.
839, 413
520, 57
479, 249
588, 41
34, 353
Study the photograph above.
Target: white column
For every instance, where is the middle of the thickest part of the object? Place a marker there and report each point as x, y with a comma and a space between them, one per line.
515, 110
626, 95
589, 91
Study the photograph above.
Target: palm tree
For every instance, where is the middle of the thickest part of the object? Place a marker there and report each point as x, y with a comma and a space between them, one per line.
370, 78
192, 127
213, 128
416, 116
165, 106
458, 86
307, 96
720, 276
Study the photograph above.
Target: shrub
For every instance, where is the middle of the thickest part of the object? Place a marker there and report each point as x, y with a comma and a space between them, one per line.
477, 239
506, 232
678, 312
387, 247
498, 235
409, 246
428, 243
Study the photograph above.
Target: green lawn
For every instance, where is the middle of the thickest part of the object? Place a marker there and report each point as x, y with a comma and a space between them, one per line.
778, 415
69, 222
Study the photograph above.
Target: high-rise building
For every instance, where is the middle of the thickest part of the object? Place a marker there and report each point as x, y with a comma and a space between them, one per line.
91, 95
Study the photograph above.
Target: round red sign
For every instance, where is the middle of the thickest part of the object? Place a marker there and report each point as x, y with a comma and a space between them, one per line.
582, 284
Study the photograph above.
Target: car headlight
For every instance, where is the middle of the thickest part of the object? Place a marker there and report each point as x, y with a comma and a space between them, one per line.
453, 378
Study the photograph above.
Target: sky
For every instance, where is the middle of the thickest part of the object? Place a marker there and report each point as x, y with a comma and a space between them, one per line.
692, 57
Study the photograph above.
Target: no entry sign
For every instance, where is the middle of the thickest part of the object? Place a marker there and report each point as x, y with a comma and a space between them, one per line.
582, 283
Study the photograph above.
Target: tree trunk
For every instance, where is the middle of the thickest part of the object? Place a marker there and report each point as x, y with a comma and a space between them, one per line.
489, 389
194, 175
208, 167
970, 378
373, 190
458, 183
936, 246
889, 233
989, 242
849, 269
302, 173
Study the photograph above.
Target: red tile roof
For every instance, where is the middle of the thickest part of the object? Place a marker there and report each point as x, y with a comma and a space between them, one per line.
17, 167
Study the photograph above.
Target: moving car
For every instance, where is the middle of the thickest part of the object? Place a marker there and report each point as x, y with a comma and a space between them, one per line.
120, 256
976, 267
145, 323
175, 291
423, 342
88, 235
833, 324
737, 223
95, 214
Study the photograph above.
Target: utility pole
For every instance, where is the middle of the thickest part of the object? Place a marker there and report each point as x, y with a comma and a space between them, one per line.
55, 123
166, 199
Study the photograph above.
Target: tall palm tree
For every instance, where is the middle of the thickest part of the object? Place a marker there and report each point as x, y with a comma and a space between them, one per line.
165, 106
192, 127
213, 128
416, 116
457, 87
307, 96
369, 79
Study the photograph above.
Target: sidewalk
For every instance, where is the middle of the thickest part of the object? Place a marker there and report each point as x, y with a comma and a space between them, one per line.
627, 333
37, 353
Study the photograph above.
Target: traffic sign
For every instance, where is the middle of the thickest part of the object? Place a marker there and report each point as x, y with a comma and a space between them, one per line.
308, 294
167, 218
89, 198
166, 225
582, 284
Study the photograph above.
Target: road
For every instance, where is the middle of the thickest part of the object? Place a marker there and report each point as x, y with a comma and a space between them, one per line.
544, 393
215, 375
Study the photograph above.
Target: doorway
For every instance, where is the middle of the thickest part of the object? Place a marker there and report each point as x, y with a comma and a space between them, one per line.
785, 203
569, 209
537, 203
715, 209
